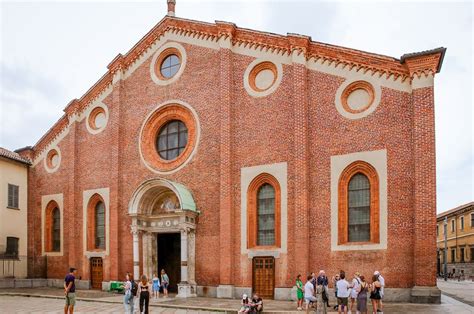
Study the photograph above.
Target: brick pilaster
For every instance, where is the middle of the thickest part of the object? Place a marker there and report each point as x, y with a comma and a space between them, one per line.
424, 187
226, 212
71, 228
300, 172
115, 179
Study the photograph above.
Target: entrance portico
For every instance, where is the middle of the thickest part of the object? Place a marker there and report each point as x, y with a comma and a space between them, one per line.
157, 207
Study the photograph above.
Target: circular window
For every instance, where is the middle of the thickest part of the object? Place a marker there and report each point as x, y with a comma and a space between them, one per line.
168, 63
262, 77
169, 137
172, 139
357, 99
170, 66
52, 160
97, 118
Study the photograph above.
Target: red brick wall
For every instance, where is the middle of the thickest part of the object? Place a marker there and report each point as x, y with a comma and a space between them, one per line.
298, 124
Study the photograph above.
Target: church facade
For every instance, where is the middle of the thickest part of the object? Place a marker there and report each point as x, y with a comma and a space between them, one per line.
236, 159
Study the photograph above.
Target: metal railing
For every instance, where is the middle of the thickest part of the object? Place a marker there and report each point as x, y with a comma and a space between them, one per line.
10, 264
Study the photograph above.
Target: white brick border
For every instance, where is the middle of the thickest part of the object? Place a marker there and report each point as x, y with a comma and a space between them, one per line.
88, 112
247, 174
86, 196
378, 159
45, 199
272, 88
377, 97
173, 79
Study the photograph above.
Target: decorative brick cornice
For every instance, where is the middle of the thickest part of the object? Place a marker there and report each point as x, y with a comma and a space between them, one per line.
225, 29
116, 64
424, 63
410, 65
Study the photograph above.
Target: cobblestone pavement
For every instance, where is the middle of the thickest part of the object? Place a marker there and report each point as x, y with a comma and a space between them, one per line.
36, 305
460, 290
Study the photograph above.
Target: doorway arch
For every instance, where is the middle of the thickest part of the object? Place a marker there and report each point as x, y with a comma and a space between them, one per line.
160, 206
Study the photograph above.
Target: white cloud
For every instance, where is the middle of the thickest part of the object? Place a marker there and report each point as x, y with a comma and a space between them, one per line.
54, 51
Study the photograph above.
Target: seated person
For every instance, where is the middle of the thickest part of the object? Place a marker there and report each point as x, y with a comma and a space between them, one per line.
246, 306
257, 303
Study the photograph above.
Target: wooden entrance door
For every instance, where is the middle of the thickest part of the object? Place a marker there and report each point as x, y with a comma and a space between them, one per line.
263, 276
96, 273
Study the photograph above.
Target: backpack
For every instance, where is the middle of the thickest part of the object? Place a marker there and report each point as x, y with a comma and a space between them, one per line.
134, 288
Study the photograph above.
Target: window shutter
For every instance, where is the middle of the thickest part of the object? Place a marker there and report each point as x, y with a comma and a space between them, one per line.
15, 196
10, 195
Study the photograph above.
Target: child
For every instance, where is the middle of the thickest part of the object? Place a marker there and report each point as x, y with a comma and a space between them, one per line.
299, 293
156, 286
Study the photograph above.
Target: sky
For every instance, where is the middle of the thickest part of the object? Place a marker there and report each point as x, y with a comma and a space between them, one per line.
53, 52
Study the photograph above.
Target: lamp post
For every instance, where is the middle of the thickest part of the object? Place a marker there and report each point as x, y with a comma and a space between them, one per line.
445, 255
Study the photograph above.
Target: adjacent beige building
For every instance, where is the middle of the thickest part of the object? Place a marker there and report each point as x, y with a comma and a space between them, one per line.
460, 240
13, 214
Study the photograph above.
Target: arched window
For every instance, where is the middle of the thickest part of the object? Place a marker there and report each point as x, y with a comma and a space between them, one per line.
52, 228
266, 215
263, 211
100, 225
358, 202
359, 208
56, 236
96, 223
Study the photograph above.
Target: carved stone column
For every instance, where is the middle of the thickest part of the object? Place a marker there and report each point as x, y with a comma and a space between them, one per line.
136, 257
192, 257
185, 290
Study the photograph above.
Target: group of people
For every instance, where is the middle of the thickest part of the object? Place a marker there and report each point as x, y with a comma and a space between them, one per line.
315, 292
254, 305
143, 290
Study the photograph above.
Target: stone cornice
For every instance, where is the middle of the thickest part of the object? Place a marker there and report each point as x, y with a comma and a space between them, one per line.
411, 65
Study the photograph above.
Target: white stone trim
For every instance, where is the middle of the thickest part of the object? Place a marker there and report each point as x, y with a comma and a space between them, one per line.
45, 199
378, 159
272, 88
86, 196
198, 135
422, 81
45, 160
247, 174
87, 114
183, 59
353, 78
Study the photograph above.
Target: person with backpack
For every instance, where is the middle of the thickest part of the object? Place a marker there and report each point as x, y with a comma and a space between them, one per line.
354, 290
323, 281
128, 297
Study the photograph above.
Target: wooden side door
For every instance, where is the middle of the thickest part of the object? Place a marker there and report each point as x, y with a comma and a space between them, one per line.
263, 276
96, 272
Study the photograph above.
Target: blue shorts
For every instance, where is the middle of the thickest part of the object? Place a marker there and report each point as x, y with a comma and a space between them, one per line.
164, 285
